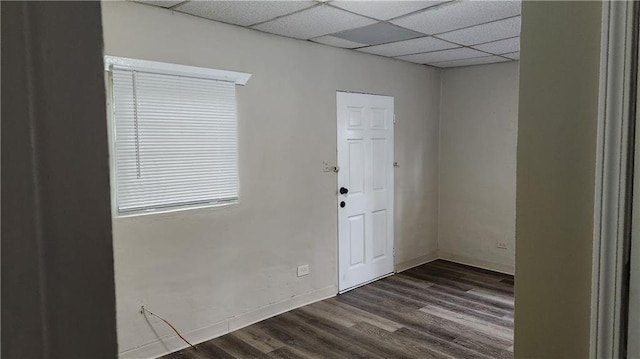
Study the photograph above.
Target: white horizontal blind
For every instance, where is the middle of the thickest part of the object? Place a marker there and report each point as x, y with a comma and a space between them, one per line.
175, 140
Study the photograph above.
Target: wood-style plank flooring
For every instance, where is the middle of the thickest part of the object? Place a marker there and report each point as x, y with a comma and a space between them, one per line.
437, 310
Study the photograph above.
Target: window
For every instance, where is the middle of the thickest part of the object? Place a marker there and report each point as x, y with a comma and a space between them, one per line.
175, 135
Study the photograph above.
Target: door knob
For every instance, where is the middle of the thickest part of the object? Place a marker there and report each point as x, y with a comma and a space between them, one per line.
342, 204
343, 190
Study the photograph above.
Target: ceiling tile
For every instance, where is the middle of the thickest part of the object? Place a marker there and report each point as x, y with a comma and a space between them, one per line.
458, 14
243, 13
492, 31
384, 10
337, 42
513, 55
413, 46
162, 3
379, 33
469, 62
444, 55
314, 22
501, 46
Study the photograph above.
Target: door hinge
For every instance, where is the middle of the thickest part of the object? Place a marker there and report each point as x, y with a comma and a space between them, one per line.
394, 118
394, 252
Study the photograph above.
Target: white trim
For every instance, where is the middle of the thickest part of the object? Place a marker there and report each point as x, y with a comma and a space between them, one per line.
111, 135
173, 209
633, 321
477, 263
260, 314
239, 78
172, 344
415, 262
365, 283
612, 180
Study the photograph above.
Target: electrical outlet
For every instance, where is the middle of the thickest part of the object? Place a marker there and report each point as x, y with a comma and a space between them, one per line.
325, 167
303, 270
502, 245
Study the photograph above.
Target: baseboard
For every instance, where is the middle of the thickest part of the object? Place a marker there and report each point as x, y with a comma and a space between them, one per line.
365, 283
478, 263
172, 344
430, 257
244, 320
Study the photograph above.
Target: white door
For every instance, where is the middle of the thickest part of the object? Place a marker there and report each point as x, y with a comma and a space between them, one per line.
365, 212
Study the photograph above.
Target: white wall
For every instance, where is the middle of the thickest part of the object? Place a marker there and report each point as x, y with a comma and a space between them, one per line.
200, 268
478, 136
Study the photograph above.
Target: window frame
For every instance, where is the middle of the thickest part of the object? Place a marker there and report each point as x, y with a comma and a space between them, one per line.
111, 62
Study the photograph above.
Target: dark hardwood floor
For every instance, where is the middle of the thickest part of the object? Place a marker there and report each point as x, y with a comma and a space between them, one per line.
437, 310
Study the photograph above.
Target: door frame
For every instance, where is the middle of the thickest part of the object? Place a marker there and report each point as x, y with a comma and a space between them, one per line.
613, 221
337, 179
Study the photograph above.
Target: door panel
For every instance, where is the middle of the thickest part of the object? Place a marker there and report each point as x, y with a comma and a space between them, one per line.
379, 233
378, 118
356, 240
365, 158
355, 182
379, 159
355, 117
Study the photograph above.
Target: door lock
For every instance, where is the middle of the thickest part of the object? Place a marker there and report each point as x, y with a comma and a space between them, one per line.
342, 204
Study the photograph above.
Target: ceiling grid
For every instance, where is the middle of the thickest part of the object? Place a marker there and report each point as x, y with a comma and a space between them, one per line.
435, 33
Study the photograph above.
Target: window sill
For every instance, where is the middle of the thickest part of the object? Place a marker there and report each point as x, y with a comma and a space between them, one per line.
174, 210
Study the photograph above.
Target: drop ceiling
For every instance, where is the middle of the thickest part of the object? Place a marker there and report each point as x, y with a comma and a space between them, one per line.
435, 33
